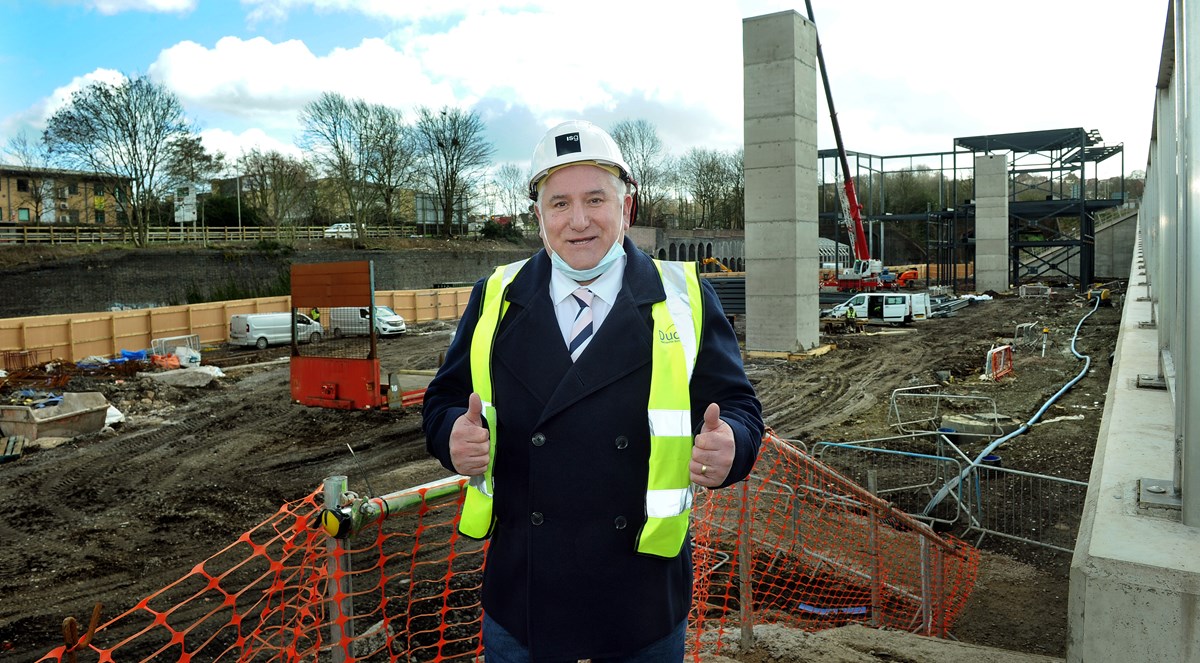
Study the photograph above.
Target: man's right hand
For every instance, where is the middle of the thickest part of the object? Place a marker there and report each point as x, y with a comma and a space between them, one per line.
469, 441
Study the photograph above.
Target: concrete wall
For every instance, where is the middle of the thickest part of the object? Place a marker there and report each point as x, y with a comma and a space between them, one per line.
780, 80
1114, 249
991, 223
1135, 576
159, 277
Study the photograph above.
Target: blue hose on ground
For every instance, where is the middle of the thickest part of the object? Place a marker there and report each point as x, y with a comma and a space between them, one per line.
1087, 363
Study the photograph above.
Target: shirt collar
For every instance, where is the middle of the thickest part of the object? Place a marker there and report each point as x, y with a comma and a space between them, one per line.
606, 286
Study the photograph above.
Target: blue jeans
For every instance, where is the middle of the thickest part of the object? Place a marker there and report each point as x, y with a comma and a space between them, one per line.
499, 646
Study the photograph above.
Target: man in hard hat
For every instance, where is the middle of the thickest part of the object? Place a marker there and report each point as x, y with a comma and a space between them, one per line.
586, 393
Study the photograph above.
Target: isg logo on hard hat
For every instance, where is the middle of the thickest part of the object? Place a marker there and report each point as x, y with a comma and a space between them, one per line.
575, 142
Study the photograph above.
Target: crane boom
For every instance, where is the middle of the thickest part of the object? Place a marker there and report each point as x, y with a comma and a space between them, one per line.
862, 254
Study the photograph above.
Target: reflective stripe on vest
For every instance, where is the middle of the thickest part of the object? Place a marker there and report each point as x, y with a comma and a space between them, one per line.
676, 332
476, 519
676, 335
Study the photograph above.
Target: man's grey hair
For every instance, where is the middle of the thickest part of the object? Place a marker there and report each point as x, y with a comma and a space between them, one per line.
622, 188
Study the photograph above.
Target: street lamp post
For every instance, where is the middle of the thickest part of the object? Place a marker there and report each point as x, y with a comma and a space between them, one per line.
239, 197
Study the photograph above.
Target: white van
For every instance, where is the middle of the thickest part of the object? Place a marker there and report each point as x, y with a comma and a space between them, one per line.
356, 321
340, 230
263, 329
884, 307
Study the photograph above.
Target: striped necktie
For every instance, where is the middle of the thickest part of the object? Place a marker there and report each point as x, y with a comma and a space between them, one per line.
581, 330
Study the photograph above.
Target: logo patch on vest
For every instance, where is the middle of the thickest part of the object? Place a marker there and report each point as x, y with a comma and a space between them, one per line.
668, 336
567, 144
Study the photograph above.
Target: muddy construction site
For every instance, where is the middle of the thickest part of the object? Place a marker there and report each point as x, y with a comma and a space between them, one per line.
113, 516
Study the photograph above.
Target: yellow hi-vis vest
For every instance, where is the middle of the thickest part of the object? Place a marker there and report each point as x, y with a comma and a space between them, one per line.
677, 322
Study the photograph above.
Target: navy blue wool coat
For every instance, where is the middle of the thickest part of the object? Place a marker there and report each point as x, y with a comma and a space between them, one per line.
562, 574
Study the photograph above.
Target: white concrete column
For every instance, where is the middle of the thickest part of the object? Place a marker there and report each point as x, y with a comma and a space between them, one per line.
779, 66
991, 223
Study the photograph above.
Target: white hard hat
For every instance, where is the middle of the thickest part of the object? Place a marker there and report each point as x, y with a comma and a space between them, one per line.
577, 141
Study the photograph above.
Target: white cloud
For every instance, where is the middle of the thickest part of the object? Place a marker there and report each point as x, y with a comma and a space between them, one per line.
110, 7
234, 145
36, 116
260, 83
906, 77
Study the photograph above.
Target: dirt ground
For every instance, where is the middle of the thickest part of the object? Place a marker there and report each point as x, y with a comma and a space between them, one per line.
113, 516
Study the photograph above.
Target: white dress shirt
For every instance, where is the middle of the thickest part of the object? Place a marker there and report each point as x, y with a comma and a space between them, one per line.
604, 290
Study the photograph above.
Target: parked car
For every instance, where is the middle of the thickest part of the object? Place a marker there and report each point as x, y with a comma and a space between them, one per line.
263, 329
356, 321
340, 230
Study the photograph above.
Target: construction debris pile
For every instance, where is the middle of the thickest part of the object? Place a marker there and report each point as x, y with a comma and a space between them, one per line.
44, 404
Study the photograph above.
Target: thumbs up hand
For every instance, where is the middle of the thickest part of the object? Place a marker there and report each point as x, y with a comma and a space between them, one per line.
712, 455
469, 441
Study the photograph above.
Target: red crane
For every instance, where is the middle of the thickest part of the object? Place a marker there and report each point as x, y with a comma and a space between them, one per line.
864, 274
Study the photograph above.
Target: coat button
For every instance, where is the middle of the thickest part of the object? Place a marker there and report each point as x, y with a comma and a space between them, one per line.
622, 442
538, 439
536, 518
619, 523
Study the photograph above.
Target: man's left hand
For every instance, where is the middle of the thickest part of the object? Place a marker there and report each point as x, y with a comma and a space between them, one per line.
712, 455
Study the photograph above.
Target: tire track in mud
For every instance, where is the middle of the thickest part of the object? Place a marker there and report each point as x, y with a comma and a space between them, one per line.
811, 397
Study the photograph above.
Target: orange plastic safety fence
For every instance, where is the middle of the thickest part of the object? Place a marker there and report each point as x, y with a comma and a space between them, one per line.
819, 551
403, 589
797, 543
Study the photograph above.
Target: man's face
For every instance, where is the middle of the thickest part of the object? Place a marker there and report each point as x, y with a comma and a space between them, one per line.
582, 213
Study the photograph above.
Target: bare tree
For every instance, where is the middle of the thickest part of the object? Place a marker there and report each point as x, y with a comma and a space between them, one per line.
337, 135
277, 185
123, 133
735, 189
643, 150
454, 154
33, 155
393, 166
513, 184
704, 173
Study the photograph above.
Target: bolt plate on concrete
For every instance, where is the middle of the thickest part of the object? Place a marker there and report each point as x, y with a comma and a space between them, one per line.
1158, 494
1148, 381
1148, 324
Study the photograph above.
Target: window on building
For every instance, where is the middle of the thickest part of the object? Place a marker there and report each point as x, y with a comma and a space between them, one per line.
73, 216
23, 186
23, 215
99, 218
119, 194
99, 189
72, 189
122, 218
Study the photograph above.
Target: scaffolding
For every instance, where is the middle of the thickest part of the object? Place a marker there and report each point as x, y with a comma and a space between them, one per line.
1055, 195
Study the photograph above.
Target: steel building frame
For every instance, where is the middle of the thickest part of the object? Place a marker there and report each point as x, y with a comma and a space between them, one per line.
1052, 213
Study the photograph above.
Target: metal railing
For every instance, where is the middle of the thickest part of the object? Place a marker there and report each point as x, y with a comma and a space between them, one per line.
907, 470
54, 234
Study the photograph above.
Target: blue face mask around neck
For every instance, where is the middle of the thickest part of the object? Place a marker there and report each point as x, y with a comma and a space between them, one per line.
614, 254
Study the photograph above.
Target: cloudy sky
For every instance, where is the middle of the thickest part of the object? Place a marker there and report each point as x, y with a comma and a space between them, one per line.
907, 77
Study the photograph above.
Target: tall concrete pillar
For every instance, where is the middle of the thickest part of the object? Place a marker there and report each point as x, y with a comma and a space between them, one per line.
779, 67
991, 223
